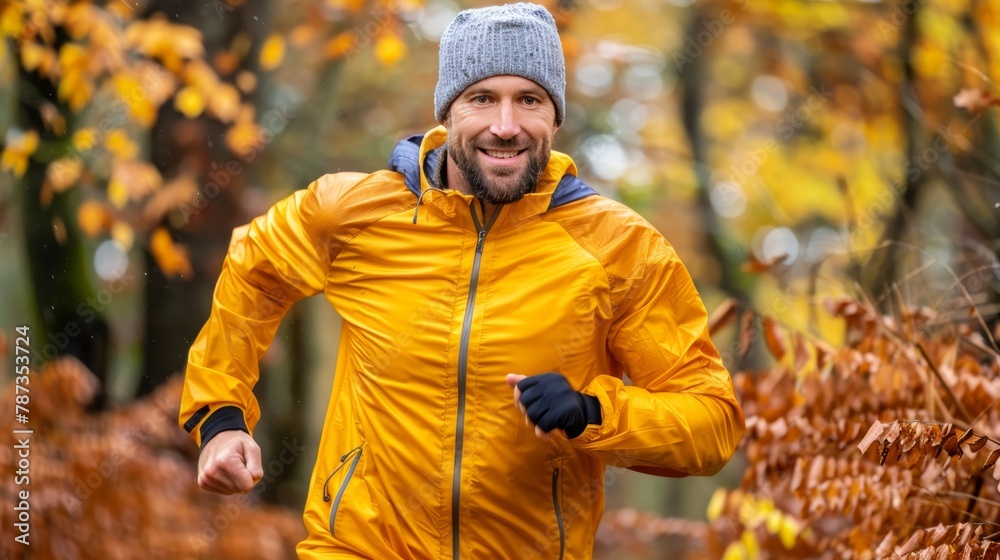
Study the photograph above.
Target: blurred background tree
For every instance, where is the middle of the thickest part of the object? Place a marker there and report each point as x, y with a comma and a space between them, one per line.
790, 150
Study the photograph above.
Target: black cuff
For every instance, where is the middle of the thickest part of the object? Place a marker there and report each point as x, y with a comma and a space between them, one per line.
592, 408
222, 420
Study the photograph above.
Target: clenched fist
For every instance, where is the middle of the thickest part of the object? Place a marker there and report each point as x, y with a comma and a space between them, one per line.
229, 463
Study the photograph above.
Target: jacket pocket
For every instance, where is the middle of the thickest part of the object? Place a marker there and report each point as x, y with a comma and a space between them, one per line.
350, 460
559, 516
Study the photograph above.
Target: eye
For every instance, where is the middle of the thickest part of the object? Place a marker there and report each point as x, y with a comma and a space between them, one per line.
481, 99
530, 101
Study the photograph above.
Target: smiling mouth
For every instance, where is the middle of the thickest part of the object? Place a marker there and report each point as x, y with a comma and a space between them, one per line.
502, 154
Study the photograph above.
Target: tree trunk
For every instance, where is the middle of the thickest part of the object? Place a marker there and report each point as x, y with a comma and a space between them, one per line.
69, 307
177, 307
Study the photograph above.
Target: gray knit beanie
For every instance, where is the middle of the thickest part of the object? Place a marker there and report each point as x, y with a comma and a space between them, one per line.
514, 39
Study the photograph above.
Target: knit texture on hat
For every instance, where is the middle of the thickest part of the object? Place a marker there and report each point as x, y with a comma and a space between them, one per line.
514, 39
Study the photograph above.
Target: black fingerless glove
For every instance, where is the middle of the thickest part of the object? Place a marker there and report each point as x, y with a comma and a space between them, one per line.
552, 404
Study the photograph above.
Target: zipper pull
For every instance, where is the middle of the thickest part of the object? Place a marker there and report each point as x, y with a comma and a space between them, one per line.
482, 239
343, 460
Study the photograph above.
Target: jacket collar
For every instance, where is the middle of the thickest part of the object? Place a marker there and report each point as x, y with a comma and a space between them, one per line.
416, 158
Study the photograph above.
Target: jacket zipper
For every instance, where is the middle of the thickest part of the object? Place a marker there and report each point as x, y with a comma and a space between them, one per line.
343, 485
463, 360
559, 516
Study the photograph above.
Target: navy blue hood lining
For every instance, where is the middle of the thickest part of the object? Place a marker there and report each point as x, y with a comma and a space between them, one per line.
405, 159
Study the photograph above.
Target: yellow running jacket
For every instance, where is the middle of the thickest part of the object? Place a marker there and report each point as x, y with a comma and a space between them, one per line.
423, 454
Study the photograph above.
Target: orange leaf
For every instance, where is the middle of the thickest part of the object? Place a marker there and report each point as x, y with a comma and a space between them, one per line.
303, 34
120, 145
339, 45
746, 332
974, 100
132, 180
35, 56
63, 173
977, 442
992, 458
244, 138
801, 352
755, 266
723, 315
774, 338
389, 49
874, 433
170, 257
968, 434
224, 102
92, 218
85, 139
272, 53
177, 191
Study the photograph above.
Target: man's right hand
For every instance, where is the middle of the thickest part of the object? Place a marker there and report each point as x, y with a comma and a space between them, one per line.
229, 463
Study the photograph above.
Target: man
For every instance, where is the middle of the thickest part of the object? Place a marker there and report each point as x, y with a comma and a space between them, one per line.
476, 270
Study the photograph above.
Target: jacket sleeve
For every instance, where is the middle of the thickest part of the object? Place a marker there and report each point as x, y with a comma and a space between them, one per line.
274, 261
680, 416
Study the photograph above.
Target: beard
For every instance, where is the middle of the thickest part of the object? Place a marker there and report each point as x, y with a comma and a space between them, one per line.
505, 185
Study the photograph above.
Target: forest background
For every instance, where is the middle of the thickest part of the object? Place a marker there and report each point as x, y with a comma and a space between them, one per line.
829, 172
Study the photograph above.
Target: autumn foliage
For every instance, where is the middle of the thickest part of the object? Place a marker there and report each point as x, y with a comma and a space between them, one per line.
885, 448
122, 484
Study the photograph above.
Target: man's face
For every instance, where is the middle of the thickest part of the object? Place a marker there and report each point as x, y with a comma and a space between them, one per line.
500, 133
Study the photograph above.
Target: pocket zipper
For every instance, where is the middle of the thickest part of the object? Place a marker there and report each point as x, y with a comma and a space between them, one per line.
343, 485
343, 461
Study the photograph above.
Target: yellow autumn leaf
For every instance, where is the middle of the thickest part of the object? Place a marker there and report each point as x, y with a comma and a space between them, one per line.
338, 45
120, 10
117, 193
85, 139
735, 551
159, 38
120, 145
788, 530
63, 173
37, 57
133, 94
773, 522
132, 180
190, 102
80, 19
170, 257
389, 49
11, 20
750, 544
156, 84
75, 86
92, 218
272, 53
716, 504
224, 102
19, 148
123, 234
244, 137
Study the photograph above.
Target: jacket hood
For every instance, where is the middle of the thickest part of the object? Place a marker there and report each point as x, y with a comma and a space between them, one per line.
417, 156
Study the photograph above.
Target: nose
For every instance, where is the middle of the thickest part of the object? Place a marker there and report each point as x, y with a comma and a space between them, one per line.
505, 126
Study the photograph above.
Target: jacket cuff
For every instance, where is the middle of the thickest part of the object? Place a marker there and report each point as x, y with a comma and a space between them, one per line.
592, 408
222, 420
